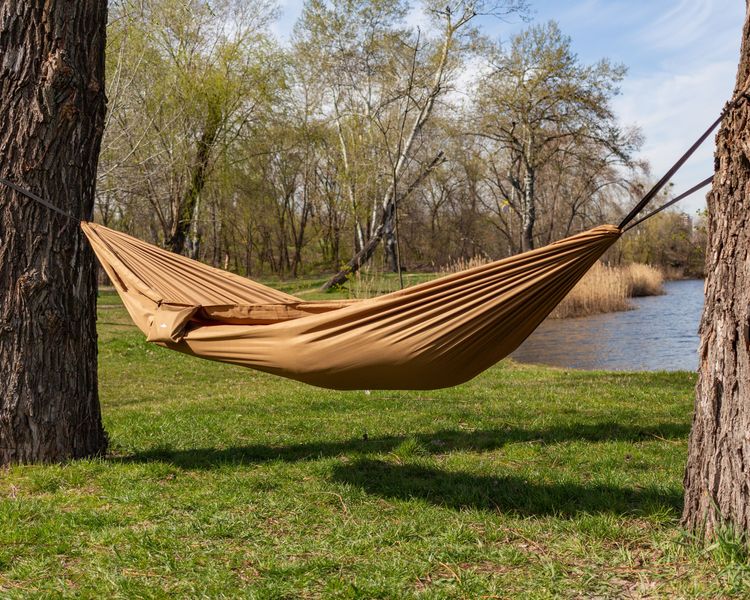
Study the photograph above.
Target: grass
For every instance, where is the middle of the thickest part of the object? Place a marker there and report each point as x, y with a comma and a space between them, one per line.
223, 483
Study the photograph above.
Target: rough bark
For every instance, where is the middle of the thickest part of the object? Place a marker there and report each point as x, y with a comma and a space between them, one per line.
52, 107
717, 476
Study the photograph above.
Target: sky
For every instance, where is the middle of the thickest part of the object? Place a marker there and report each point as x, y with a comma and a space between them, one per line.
681, 57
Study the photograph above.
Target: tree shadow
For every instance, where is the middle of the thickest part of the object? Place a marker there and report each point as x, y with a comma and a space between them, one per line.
437, 442
506, 493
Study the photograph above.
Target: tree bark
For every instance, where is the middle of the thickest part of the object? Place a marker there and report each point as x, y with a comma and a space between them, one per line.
389, 246
717, 476
52, 107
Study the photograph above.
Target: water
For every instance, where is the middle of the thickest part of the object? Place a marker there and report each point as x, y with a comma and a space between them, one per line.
661, 334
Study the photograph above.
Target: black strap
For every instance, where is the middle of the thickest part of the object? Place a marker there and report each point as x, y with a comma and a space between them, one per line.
669, 174
35, 198
681, 161
682, 196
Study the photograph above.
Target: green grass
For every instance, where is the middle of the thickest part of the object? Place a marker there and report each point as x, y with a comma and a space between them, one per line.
223, 483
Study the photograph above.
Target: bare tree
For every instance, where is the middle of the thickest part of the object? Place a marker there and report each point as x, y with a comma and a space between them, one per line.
261, 158
454, 21
536, 102
187, 81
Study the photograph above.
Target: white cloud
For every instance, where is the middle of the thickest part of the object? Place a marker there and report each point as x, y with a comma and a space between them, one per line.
682, 26
417, 17
603, 13
673, 98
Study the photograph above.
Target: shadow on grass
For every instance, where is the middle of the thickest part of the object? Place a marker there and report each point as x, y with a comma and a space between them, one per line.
459, 490
438, 442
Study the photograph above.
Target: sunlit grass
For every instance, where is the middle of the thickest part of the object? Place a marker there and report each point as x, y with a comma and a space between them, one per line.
526, 482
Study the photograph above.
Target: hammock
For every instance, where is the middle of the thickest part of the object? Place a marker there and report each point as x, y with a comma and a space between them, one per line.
437, 334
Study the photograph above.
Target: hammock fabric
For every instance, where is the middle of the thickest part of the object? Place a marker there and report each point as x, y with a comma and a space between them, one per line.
437, 334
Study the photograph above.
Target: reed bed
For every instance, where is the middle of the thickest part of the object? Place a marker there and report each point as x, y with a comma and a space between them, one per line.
607, 289
603, 289
643, 280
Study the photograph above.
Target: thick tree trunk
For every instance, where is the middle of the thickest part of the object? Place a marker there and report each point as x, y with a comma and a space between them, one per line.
717, 477
52, 108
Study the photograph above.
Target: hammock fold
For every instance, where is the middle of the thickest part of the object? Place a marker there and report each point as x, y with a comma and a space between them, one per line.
437, 334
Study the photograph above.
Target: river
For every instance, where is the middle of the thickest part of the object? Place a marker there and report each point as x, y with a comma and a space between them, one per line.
660, 334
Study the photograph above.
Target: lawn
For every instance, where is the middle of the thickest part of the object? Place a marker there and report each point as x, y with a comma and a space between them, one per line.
223, 483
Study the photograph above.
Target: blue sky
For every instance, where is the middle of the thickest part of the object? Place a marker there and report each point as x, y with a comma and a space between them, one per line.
682, 60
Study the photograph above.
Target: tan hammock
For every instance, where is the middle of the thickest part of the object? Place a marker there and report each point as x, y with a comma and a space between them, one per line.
436, 334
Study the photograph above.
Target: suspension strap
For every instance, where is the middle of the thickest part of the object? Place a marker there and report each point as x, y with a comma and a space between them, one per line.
681, 161
682, 196
35, 198
669, 174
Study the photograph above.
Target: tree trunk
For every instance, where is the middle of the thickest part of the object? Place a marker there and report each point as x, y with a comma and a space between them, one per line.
389, 246
52, 107
717, 476
185, 210
529, 212
194, 241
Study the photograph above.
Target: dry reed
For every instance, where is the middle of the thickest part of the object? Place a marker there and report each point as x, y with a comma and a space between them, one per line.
643, 280
463, 264
607, 289
603, 289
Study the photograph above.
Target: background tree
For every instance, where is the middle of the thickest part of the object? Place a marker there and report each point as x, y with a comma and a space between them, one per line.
52, 108
674, 241
424, 79
539, 104
296, 159
717, 492
188, 78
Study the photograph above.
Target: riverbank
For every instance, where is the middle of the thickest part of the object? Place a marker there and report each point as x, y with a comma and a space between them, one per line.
606, 289
220, 481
